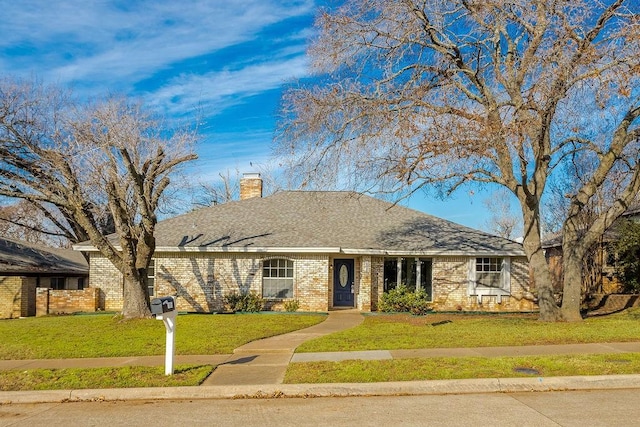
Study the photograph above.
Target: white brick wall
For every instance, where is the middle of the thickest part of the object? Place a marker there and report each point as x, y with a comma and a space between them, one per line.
105, 276
202, 279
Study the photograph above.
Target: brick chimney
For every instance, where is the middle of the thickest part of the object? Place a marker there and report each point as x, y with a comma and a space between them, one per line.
250, 186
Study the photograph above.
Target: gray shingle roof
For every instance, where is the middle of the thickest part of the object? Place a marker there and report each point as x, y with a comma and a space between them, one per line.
26, 258
310, 220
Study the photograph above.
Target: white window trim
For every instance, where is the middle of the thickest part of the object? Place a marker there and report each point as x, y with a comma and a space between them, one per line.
293, 278
152, 277
481, 291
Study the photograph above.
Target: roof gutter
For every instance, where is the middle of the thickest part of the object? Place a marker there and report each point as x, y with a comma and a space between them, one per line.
317, 250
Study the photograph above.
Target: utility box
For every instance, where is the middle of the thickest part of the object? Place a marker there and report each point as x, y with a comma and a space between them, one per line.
162, 305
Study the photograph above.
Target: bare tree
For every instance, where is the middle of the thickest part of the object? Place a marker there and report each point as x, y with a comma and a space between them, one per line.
224, 190
502, 221
109, 155
23, 221
227, 187
415, 94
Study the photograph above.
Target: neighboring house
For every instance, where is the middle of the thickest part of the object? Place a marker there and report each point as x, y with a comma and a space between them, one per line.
325, 250
599, 271
25, 267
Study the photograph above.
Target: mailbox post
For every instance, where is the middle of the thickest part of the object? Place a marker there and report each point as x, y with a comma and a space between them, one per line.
165, 309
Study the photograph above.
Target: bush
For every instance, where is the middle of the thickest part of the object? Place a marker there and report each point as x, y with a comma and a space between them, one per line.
403, 300
291, 305
628, 250
251, 302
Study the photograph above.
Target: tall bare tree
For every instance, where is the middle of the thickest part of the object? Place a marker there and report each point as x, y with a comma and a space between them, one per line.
83, 160
417, 93
502, 222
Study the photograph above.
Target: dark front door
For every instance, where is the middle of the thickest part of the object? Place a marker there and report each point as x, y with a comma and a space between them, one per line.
343, 276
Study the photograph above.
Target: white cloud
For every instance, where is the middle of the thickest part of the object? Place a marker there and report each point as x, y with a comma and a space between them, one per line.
217, 91
97, 41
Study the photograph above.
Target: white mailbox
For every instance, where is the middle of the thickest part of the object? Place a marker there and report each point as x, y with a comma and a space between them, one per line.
165, 309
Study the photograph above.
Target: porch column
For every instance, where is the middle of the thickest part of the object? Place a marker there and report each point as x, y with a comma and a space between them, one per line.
364, 296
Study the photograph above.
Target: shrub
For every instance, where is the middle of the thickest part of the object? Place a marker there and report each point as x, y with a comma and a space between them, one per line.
249, 302
628, 250
291, 305
401, 299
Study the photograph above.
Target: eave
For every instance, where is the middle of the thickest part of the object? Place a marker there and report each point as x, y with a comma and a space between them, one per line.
318, 250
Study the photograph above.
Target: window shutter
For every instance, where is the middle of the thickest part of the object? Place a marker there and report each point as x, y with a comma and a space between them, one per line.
506, 274
471, 282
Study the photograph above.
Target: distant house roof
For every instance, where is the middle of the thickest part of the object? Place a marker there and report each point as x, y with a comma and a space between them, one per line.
25, 258
319, 221
612, 234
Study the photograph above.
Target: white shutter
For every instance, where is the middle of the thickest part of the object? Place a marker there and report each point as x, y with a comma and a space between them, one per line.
471, 282
506, 274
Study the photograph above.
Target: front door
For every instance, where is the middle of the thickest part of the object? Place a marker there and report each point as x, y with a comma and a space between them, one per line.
343, 277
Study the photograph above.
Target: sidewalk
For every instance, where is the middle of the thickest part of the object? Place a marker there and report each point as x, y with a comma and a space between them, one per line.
257, 370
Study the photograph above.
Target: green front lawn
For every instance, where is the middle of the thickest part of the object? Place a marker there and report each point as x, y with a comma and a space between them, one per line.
447, 368
389, 332
124, 377
103, 335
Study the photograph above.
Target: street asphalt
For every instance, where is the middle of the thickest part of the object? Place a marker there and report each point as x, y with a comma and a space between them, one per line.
256, 370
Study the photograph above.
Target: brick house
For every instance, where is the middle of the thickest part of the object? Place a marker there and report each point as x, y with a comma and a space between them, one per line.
599, 267
325, 250
25, 267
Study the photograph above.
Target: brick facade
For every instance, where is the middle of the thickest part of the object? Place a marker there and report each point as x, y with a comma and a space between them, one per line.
202, 279
50, 301
17, 296
104, 276
450, 287
450, 280
365, 281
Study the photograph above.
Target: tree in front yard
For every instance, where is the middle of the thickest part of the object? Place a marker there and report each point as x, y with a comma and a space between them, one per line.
417, 94
108, 159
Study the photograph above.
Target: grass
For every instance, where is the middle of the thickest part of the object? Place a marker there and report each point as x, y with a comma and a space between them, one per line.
74, 379
389, 332
441, 368
104, 335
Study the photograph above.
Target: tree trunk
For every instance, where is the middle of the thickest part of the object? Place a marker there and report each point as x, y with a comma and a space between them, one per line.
574, 250
572, 286
135, 299
549, 310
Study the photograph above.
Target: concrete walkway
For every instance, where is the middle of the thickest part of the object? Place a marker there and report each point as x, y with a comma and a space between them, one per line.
265, 361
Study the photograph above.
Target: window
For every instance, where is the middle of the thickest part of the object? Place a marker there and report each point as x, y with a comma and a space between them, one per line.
80, 283
414, 273
390, 274
151, 278
57, 283
489, 272
489, 276
277, 278
424, 271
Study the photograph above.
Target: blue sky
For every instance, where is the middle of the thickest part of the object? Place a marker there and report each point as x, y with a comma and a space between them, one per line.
223, 63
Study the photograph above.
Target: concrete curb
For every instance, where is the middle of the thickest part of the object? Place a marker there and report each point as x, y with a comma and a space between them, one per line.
439, 387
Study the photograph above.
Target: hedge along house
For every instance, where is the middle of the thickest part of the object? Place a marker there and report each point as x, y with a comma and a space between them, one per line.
326, 250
